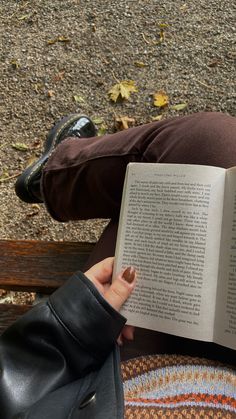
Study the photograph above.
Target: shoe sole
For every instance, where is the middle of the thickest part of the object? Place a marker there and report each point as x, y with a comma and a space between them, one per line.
23, 181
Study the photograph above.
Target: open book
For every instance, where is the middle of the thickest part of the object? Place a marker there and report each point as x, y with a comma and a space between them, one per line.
178, 229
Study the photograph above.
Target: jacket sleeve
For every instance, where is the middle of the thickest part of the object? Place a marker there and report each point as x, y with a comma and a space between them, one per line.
55, 343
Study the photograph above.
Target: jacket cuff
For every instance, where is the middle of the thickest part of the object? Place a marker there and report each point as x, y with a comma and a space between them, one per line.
86, 315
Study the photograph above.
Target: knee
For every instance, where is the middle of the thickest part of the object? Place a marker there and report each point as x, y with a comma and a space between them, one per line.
215, 137
215, 126
207, 138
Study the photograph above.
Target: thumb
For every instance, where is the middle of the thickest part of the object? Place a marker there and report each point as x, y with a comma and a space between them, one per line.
121, 288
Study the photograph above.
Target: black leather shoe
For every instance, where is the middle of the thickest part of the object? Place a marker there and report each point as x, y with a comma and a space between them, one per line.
27, 186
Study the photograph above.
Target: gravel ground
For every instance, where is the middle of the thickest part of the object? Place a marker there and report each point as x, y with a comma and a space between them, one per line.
53, 50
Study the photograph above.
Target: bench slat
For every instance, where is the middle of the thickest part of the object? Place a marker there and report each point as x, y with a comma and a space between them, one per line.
40, 266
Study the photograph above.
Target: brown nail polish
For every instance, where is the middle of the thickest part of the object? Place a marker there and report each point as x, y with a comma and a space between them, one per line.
129, 274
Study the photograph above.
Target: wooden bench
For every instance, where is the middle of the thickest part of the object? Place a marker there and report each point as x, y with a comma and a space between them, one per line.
42, 267
36, 266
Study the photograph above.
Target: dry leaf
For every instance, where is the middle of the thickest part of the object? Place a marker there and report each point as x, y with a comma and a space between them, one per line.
102, 130
58, 39
162, 35
31, 160
214, 63
184, 7
15, 63
60, 76
78, 99
123, 122
37, 87
35, 210
122, 90
179, 106
25, 16
160, 99
20, 146
97, 120
4, 176
163, 25
157, 118
140, 64
51, 93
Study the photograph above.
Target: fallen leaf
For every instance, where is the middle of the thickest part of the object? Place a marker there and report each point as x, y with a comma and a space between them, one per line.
4, 176
37, 87
51, 93
25, 16
161, 35
60, 76
3, 145
35, 210
163, 25
15, 63
78, 99
58, 39
157, 118
20, 146
179, 106
214, 63
31, 160
122, 90
102, 130
98, 120
140, 64
123, 122
160, 99
184, 7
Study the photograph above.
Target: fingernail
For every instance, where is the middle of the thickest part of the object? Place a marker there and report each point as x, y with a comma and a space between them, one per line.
129, 274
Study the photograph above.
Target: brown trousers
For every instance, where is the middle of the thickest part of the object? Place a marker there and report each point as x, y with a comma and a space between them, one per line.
84, 179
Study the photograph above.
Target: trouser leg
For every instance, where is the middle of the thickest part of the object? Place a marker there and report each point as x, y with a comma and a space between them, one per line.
84, 178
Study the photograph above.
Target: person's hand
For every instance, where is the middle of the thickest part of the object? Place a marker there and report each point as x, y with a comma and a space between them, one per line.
116, 292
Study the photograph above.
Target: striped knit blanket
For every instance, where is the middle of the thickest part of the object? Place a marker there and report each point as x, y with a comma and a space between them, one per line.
169, 386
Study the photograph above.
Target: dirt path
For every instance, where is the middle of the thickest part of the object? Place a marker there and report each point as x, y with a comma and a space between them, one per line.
55, 50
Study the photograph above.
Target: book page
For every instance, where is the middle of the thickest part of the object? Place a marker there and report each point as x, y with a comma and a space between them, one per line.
169, 230
225, 323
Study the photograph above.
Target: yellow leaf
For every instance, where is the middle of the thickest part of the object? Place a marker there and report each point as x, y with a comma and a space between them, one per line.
102, 130
157, 118
15, 63
123, 122
179, 107
37, 87
97, 120
58, 39
140, 64
162, 35
24, 16
163, 25
63, 39
78, 99
20, 146
122, 90
160, 99
31, 160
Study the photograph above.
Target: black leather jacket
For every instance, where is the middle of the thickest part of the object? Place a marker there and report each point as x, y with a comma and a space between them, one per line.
60, 359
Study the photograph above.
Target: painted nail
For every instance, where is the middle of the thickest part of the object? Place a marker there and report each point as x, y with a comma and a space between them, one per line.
129, 274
